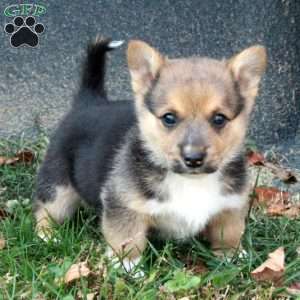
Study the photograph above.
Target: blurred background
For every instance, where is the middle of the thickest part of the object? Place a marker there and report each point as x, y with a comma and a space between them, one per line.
37, 84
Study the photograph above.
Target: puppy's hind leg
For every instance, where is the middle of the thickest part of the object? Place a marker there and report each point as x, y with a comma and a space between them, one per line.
55, 198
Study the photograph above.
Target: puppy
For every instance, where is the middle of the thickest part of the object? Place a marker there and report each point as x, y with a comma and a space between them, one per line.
171, 161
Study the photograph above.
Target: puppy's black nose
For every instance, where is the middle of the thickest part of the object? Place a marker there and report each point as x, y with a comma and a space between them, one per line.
193, 159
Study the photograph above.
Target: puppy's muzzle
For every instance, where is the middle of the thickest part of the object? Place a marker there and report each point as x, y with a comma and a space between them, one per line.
193, 157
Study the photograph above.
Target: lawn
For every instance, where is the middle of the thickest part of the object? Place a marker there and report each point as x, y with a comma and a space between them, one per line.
33, 269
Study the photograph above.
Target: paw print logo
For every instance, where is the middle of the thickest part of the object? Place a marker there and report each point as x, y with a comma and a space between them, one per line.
24, 32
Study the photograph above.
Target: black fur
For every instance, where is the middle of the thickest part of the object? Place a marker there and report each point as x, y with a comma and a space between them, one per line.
147, 175
235, 175
94, 67
83, 146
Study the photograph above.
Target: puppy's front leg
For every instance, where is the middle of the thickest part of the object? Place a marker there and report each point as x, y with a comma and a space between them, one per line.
125, 231
225, 231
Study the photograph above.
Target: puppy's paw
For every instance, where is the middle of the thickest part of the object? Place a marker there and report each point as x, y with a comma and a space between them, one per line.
129, 265
46, 233
229, 254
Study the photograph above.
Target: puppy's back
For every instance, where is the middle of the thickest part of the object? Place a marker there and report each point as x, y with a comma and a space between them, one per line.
90, 133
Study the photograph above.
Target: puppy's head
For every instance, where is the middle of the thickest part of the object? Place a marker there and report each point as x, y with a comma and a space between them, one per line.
193, 112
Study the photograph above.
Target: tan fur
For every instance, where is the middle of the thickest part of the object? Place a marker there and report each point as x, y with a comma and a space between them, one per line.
195, 89
247, 68
63, 205
226, 229
141, 54
130, 238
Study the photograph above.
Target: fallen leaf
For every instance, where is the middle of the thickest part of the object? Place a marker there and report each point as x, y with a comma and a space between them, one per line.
89, 296
197, 267
39, 297
2, 243
294, 289
255, 158
270, 194
284, 210
283, 174
277, 202
77, 271
7, 160
272, 269
24, 156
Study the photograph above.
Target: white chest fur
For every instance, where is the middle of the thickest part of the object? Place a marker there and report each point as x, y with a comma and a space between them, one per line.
191, 202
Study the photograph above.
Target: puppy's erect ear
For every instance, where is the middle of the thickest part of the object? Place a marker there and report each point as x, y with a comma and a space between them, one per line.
247, 68
144, 63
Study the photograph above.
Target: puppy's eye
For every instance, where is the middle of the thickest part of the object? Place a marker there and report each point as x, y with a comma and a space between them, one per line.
219, 120
169, 119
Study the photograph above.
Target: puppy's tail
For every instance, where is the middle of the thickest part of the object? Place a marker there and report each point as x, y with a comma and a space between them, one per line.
94, 65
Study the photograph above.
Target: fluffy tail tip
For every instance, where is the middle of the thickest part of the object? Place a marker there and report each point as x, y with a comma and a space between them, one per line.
115, 44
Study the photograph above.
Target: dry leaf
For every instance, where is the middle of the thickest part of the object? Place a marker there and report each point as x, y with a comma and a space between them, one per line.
283, 174
39, 297
294, 289
270, 194
2, 243
8, 160
24, 156
89, 296
197, 267
277, 202
272, 269
255, 158
284, 210
77, 271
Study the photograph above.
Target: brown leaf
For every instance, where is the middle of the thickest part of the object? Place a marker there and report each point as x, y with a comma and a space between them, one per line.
283, 174
77, 271
270, 194
197, 267
89, 296
255, 158
39, 297
284, 210
24, 156
272, 269
2, 243
294, 289
4, 160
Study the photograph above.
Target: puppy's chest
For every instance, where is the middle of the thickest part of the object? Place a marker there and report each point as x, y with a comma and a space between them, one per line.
188, 204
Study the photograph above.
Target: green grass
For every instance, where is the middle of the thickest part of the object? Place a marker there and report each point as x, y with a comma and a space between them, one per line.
33, 269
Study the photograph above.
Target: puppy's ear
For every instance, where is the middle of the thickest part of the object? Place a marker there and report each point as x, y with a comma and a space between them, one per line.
144, 63
247, 68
